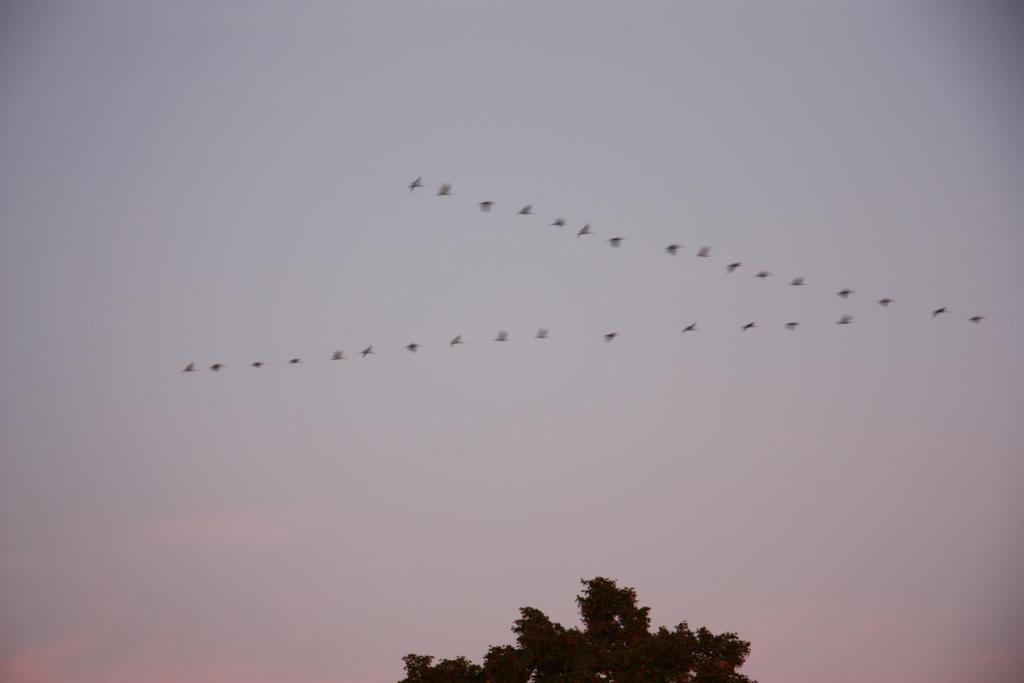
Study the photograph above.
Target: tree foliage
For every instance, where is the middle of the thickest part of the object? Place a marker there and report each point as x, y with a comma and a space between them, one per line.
614, 645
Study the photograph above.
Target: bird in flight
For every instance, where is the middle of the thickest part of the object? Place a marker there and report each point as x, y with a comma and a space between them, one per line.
615, 241
762, 274
610, 336
845, 320
445, 190
368, 351
791, 325
337, 355
559, 222
191, 367
412, 347
501, 336
749, 326
672, 249
731, 268
216, 367
704, 252
486, 206
526, 210
884, 302
294, 361
258, 364
416, 183
976, 319
585, 230
938, 311
844, 293
797, 282
692, 327
455, 340
542, 334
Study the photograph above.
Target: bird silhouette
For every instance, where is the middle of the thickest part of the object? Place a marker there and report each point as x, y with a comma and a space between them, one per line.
704, 252
445, 190
486, 206
845, 293
731, 268
257, 364
615, 241
412, 347
526, 210
976, 319
416, 183
845, 320
749, 326
191, 367
797, 282
501, 336
294, 361
610, 336
368, 351
762, 274
791, 325
455, 340
585, 230
672, 249
938, 311
216, 367
559, 222
542, 334
884, 302
337, 355
692, 327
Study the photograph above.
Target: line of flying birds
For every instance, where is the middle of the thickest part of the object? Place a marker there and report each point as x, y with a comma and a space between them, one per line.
445, 190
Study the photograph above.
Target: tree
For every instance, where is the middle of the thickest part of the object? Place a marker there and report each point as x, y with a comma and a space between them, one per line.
615, 645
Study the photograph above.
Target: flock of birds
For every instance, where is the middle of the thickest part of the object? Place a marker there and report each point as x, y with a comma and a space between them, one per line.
486, 206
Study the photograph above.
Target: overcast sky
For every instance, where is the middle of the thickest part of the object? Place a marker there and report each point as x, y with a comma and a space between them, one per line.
226, 182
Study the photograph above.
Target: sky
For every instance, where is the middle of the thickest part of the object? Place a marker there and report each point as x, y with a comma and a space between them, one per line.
226, 182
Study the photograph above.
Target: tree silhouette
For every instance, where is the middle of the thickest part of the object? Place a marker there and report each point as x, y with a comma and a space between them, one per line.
615, 645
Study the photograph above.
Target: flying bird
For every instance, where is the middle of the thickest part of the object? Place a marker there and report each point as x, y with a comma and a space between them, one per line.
486, 206
704, 252
884, 302
672, 249
501, 336
615, 241
337, 355
416, 183
610, 336
216, 367
542, 334
938, 311
692, 327
976, 319
845, 320
762, 274
733, 266
526, 210
445, 190
294, 361
559, 222
412, 347
797, 282
191, 367
258, 364
749, 326
455, 340
791, 325
368, 351
844, 293
585, 230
